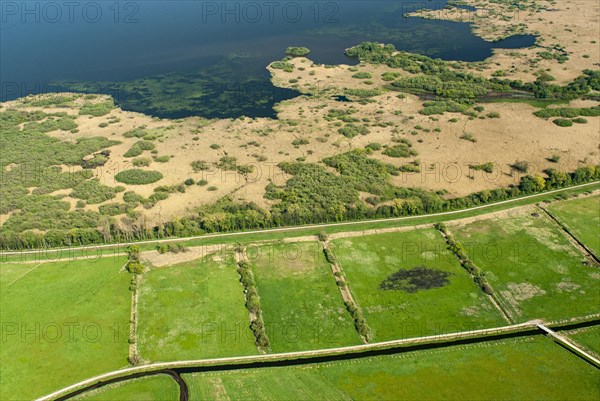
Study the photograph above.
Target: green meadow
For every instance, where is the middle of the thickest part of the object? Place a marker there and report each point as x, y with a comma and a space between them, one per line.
530, 368
61, 322
149, 388
582, 218
535, 271
456, 306
301, 304
588, 337
193, 310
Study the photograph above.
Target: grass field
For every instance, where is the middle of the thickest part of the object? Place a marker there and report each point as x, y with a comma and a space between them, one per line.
392, 314
61, 323
582, 218
150, 388
301, 304
193, 310
589, 337
531, 368
535, 271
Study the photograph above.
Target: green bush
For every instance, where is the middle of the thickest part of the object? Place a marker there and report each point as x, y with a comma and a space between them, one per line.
563, 122
568, 112
142, 161
97, 109
162, 159
132, 197
93, 192
114, 209
138, 148
401, 150
138, 177
300, 141
158, 196
521, 166
199, 165
282, 65
351, 130
390, 76
98, 160
487, 167
362, 75
468, 137
135, 267
297, 51
374, 146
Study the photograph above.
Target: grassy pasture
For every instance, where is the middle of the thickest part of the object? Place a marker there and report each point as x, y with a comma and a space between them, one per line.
367, 261
193, 310
530, 368
61, 322
589, 337
150, 388
302, 307
535, 271
582, 218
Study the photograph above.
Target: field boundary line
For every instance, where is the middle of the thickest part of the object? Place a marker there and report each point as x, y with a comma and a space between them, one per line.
495, 300
257, 323
304, 227
564, 229
297, 355
24, 274
342, 284
133, 355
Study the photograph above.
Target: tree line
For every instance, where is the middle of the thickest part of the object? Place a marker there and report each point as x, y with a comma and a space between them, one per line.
320, 203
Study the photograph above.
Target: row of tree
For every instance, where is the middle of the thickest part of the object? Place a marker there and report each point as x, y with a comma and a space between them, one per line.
318, 204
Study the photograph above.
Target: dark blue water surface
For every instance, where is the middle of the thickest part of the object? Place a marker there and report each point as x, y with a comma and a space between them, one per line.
184, 58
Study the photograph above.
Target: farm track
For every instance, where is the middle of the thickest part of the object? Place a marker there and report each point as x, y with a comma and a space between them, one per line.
297, 228
531, 327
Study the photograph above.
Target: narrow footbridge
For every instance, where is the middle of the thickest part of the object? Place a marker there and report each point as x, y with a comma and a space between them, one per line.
569, 345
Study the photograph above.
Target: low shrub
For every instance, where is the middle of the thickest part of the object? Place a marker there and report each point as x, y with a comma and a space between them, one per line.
362, 75
142, 161
297, 51
97, 109
521, 166
563, 122
352, 130
138, 177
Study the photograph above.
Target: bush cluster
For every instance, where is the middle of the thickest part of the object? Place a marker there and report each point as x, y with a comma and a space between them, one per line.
466, 262
360, 323
257, 324
297, 51
138, 177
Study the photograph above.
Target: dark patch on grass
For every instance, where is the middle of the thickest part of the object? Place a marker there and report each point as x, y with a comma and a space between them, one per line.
416, 279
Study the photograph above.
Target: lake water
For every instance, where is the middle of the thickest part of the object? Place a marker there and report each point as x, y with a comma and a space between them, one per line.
184, 58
